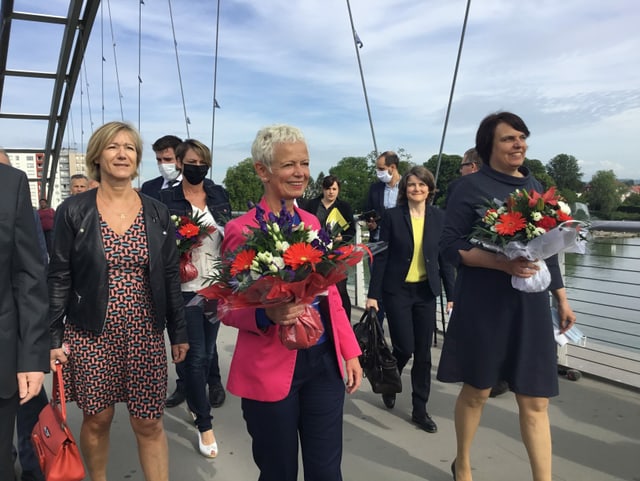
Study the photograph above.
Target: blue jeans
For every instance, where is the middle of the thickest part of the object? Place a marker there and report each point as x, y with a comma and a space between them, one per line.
202, 336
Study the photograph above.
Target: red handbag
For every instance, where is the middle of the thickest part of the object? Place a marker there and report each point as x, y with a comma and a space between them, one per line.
52, 440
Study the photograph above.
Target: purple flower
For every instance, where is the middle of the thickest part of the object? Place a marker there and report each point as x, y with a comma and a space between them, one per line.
260, 218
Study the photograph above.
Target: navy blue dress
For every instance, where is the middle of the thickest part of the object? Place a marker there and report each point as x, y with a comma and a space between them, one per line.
496, 332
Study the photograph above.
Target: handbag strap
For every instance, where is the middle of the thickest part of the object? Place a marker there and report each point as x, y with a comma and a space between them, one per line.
58, 391
376, 329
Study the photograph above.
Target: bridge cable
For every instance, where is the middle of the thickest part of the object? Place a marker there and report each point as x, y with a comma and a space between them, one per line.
175, 46
115, 60
215, 78
453, 87
102, 56
140, 4
358, 44
86, 80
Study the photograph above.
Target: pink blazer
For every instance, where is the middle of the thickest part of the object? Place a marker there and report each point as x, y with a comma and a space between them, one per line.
261, 367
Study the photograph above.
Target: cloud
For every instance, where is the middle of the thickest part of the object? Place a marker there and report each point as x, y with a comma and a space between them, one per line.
568, 68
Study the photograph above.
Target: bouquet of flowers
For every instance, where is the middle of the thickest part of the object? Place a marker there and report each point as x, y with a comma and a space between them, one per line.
531, 225
190, 230
279, 263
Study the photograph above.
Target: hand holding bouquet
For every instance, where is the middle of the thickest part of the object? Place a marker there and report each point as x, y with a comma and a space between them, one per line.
280, 263
190, 230
530, 225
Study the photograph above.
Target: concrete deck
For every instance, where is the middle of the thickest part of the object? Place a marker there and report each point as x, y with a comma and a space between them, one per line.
595, 427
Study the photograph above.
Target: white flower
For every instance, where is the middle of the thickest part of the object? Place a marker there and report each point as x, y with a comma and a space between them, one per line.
278, 262
265, 257
564, 207
311, 235
536, 216
282, 246
502, 210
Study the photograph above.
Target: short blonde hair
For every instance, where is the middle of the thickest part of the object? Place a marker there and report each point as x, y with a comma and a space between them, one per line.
198, 147
99, 141
267, 138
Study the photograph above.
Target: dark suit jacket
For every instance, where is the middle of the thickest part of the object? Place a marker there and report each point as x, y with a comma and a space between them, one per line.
24, 343
153, 187
390, 267
375, 200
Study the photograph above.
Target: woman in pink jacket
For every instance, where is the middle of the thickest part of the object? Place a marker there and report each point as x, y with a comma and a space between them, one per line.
290, 395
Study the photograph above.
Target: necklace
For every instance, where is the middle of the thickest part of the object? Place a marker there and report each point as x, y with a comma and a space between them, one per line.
106, 205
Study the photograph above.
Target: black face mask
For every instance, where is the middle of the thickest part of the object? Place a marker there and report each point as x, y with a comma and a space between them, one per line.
194, 173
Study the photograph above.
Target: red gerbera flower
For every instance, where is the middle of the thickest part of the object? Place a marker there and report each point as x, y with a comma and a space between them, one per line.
510, 223
301, 253
547, 223
189, 230
242, 262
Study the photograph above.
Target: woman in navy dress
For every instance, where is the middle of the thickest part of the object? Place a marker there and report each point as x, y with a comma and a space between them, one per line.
497, 332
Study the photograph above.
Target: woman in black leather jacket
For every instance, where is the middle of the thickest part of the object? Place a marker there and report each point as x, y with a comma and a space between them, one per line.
114, 287
199, 196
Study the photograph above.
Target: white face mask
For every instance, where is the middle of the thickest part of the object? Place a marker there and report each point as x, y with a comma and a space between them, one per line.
169, 172
384, 176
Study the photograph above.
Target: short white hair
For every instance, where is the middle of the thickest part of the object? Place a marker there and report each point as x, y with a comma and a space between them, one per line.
268, 137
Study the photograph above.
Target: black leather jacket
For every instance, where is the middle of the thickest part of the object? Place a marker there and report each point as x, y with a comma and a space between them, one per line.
78, 277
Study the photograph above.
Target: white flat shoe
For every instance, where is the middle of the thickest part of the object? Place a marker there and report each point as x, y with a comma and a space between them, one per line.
207, 450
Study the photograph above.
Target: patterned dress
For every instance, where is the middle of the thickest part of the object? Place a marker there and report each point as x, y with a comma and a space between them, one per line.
127, 362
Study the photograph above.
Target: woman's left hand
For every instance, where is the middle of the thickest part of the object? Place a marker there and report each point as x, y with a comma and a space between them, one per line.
354, 375
179, 352
566, 316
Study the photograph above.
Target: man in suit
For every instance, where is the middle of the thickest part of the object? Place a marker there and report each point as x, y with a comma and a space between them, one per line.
382, 196
165, 149
24, 346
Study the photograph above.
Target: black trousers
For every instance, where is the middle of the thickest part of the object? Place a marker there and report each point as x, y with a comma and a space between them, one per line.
312, 412
8, 410
411, 314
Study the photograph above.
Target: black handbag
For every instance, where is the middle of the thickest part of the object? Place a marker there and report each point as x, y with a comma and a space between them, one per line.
378, 364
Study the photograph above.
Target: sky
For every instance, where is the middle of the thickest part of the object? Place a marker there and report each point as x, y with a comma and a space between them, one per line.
570, 69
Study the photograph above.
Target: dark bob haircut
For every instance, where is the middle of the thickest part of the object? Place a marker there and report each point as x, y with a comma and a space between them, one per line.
329, 180
421, 173
487, 129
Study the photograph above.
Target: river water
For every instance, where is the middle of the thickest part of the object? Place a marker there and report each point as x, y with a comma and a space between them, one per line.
603, 286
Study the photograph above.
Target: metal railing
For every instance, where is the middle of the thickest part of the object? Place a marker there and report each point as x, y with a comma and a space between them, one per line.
604, 291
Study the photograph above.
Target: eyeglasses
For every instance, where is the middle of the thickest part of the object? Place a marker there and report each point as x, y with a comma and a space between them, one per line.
464, 164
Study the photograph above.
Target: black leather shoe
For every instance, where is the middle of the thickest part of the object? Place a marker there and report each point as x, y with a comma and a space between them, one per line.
216, 395
424, 421
389, 400
175, 399
500, 388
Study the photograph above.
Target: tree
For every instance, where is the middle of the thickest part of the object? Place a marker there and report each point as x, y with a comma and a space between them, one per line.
604, 192
449, 171
404, 165
539, 171
243, 185
564, 169
314, 188
355, 177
